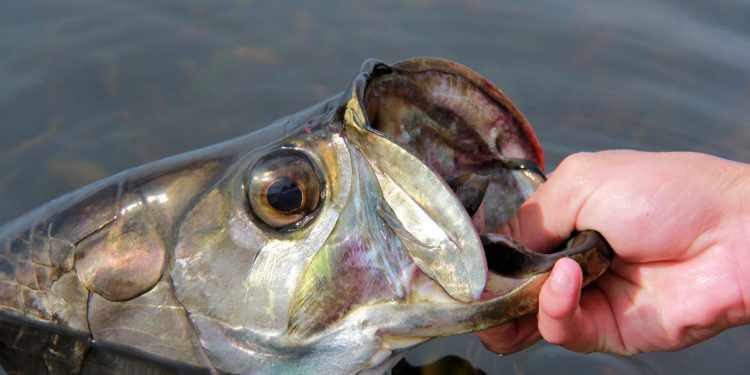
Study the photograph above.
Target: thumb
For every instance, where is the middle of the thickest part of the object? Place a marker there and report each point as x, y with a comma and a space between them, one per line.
561, 319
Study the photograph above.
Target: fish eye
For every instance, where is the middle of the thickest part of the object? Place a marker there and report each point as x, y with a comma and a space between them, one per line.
284, 189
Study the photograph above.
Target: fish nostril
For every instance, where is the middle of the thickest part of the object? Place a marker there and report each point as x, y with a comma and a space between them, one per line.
380, 70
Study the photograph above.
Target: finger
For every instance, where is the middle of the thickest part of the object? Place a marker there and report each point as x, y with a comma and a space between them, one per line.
599, 191
549, 216
561, 320
511, 337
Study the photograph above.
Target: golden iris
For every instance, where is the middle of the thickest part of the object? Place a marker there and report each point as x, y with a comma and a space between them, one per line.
284, 189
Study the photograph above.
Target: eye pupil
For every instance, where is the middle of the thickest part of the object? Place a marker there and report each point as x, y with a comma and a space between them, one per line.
284, 195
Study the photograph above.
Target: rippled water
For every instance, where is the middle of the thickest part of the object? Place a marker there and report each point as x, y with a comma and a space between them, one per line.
88, 88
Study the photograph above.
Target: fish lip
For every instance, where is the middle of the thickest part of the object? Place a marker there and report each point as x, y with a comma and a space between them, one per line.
514, 264
510, 259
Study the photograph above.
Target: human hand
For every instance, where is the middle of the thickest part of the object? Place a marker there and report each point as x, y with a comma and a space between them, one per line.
680, 227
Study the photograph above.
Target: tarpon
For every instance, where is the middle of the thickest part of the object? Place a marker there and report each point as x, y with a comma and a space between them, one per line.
329, 242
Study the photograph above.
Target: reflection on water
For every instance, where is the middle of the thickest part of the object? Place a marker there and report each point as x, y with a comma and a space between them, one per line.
88, 88
539, 359
450, 364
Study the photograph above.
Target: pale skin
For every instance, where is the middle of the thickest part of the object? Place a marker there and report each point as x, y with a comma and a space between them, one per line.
679, 224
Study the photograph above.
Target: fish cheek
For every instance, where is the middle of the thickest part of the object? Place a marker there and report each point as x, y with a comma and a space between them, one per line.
352, 266
214, 254
337, 279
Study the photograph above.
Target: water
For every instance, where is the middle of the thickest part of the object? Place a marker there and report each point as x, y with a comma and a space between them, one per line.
89, 88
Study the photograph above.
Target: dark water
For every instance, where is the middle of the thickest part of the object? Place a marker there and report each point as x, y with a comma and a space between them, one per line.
88, 88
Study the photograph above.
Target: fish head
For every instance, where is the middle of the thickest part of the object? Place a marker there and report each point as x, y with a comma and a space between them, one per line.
278, 262
357, 235
330, 241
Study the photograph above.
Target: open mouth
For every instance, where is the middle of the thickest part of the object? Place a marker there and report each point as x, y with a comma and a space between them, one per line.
469, 132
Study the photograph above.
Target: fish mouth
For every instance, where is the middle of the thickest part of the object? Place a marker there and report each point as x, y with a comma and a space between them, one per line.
467, 132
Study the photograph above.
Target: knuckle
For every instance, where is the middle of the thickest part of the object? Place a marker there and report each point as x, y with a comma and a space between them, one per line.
575, 162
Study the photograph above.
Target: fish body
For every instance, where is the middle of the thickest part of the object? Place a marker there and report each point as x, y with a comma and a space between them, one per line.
330, 241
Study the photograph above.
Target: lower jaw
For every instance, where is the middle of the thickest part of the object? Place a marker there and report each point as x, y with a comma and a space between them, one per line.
430, 312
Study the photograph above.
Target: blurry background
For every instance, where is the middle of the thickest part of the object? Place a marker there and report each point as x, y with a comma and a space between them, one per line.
89, 88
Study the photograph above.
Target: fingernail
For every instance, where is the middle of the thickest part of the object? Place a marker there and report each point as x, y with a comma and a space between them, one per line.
561, 281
